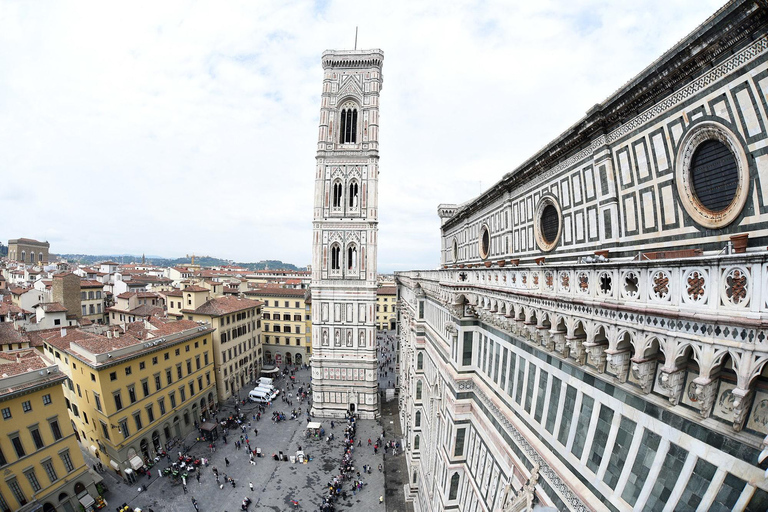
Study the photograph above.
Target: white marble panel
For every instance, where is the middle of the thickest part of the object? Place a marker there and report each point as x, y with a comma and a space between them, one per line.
658, 148
626, 172
748, 112
649, 219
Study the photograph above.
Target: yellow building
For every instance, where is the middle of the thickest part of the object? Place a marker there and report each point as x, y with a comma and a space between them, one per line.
286, 338
237, 349
92, 301
43, 468
134, 388
386, 312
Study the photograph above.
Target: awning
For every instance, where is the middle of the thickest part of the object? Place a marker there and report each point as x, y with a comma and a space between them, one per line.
94, 448
86, 501
270, 371
314, 424
136, 462
114, 465
208, 426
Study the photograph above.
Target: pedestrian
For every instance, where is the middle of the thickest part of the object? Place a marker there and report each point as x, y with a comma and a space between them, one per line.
381, 500
226, 461
185, 488
194, 504
198, 478
250, 484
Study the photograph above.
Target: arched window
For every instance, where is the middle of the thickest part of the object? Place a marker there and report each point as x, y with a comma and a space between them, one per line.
351, 257
40, 257
418, 390
335, 257
454, 491
337, 193
348, 125
23, 256
416, 443
417, 421
353, 194
420, 362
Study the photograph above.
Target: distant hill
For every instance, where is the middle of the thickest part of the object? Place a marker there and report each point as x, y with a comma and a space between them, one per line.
205, 261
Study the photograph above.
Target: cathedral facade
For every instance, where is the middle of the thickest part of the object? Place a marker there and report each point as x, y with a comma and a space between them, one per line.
597, 336
344, 363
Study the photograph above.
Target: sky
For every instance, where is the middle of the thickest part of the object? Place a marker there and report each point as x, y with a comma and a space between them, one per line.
175, 127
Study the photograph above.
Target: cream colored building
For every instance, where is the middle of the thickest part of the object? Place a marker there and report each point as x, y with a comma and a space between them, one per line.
285, 335
386, 310
237, 350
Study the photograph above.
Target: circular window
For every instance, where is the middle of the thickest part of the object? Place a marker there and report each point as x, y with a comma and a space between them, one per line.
548, 226
485, 242
712, 175
550, 223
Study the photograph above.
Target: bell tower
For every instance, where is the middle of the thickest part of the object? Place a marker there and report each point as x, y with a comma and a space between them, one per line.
344, 236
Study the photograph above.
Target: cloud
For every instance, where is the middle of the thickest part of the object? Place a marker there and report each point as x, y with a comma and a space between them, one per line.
173, 127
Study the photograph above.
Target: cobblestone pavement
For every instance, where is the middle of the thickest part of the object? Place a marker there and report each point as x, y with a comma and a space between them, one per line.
275, 483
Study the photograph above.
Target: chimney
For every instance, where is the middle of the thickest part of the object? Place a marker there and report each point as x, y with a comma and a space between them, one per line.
63, 332
109, 335
117, 333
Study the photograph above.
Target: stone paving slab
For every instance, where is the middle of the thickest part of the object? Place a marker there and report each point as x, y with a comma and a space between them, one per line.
275, 483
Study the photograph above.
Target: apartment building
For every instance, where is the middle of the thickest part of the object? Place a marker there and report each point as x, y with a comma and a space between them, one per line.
386, 312
43, 468
132, 389
286, 338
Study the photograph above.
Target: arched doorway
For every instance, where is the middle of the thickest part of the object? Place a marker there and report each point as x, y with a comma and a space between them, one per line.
288, 359
194, 414
203, 406
47, 507
268, 356
352, 408
144, 447
278, 358
156, 440
297, 359
64, 502
210, 400
392, 324
167, 432
79, 487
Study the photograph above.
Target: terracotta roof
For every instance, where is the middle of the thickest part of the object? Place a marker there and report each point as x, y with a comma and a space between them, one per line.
20, 361
148, 295
143, 310
108, 263
224, 306
89, 283
126, 295
9, 334
29, 240
52, 307
17, 290
172, 293
9, 308
195, 288
63, 274
386, 290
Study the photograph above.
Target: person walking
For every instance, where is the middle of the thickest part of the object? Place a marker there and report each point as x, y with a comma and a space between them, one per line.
250, 484
381, 500
226, 461
185, 488
194, 504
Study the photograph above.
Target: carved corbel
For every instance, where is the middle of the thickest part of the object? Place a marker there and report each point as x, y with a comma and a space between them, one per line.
576, 345
644, 371
704, 390
671, 381
597, 355
549, 340
742, 401
562, 346
619, 364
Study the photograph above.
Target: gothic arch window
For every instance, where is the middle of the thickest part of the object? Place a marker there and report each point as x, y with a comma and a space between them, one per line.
419, 361
40, 257
335, 257
417, 421
348, 124
23, 256
454, 491
418, 390
353, 194
416, 443
338, 191
352, 257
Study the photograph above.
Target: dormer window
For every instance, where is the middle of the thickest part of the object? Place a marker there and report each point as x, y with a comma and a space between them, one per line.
348, 131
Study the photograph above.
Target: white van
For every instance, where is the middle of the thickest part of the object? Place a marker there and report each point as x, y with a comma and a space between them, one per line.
265, 380
272, 392
261, 396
